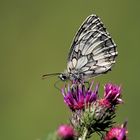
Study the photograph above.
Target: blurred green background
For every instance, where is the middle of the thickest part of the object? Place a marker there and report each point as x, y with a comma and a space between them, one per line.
35, 37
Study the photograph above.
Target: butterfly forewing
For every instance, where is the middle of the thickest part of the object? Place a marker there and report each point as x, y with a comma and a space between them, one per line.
93, 51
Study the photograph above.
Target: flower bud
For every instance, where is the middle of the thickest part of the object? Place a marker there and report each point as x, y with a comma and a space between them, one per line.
116, 133
66, 132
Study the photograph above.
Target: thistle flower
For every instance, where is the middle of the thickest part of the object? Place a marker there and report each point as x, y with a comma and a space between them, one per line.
90, 114
112, 94
77, 96
97, 117
66, 132
117, 133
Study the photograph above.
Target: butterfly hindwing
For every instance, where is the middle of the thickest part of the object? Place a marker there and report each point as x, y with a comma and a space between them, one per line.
93, 51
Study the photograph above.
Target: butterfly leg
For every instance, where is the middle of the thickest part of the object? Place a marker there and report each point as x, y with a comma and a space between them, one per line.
55, 85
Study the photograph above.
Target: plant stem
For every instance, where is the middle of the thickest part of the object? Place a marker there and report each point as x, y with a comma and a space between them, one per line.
84, 134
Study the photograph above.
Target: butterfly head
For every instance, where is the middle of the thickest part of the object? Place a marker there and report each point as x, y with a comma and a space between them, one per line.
63, 76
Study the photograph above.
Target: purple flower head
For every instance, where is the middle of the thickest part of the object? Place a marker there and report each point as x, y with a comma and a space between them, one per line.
112, 93
77, 96
66, 132
116, 133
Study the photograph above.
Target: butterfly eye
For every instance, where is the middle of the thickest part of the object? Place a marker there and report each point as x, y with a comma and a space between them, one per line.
62, 77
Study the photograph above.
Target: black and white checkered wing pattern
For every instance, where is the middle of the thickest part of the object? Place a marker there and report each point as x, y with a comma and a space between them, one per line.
93, 51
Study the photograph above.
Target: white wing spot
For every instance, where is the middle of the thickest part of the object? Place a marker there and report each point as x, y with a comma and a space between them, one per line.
88, 72
81, 45
102, 55
81, 62
93, 67
100, 70
105, 63
74, 62
69, 66
84, 69
76, 48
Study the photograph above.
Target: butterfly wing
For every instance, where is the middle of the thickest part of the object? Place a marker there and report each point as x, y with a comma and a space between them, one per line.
93, 51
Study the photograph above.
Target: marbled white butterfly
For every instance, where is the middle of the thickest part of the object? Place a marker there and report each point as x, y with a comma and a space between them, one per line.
92, 52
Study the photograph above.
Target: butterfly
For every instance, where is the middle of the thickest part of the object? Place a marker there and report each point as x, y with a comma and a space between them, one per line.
92, 53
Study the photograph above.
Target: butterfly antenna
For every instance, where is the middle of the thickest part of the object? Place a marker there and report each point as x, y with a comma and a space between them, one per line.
50, 74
